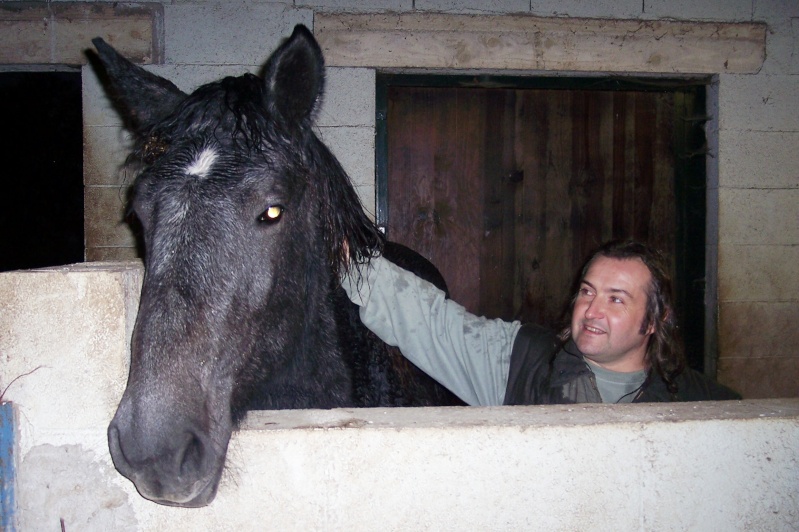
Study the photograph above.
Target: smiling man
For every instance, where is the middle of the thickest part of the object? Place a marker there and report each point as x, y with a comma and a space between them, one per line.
621, 345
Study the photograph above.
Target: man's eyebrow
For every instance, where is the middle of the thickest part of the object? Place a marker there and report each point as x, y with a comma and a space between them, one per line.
621, 291
611, 290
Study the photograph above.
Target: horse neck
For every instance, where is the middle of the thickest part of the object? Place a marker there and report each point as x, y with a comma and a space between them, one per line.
316, 374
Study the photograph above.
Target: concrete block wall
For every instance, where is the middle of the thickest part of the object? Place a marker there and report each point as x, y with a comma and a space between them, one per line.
754, 166
758, 218
705, 466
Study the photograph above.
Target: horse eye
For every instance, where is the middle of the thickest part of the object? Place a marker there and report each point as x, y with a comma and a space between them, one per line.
272, 214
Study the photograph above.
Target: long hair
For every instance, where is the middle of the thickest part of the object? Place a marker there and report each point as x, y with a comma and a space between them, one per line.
664, 353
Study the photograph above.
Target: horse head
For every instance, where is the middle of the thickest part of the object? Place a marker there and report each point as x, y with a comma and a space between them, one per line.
239, 206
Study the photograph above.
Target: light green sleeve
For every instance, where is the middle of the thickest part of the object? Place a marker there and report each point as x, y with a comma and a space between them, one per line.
470, 355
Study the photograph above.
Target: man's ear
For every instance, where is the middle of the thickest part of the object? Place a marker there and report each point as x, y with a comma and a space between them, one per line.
664, 319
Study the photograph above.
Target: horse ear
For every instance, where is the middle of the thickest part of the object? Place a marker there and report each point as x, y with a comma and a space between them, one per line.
294, 76
142, 98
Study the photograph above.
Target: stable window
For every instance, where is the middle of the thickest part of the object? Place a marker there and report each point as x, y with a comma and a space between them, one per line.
41, 207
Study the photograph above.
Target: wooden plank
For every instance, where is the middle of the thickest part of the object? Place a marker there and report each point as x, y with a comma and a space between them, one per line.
435, 173
502, 181
517, 42
643, 178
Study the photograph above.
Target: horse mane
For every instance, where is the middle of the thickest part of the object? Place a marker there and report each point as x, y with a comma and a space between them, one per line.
351, 238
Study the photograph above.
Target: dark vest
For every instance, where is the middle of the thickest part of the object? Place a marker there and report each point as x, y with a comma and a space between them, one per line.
542, 371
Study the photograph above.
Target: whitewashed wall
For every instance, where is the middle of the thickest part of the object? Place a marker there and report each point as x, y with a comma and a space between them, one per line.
702, 466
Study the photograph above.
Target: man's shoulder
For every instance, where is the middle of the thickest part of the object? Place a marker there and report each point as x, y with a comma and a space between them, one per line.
691, 386
529, 363
536, 339
695, 386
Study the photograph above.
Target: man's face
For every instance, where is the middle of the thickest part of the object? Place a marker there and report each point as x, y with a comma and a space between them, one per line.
609, 311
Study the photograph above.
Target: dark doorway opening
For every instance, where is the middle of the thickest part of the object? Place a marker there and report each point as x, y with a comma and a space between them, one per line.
41, 206
507, 184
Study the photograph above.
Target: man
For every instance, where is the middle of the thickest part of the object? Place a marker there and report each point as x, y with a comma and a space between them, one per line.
621, 345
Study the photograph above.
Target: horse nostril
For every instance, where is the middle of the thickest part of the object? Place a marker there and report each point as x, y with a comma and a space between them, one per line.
191, 459
115, 448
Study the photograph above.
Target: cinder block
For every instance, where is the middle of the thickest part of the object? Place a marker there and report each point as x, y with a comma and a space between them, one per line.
112, 254
228, 33
579, 8
368, 196
354, 147
758, 159
104, 219
349, 98
757, 216
354, 6
472, 6
758, 273
728, 11
189, 77
760, 102
775, 10
105, 149
97, 107
782, 44
758, 330
756, 378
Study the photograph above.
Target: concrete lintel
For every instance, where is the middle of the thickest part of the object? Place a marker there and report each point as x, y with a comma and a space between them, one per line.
59, 33
513, 42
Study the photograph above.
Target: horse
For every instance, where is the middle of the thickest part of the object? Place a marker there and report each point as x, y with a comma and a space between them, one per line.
247, 222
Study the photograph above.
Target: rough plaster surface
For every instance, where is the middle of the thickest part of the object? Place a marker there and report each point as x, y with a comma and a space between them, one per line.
68, 329
68, 484
726, 467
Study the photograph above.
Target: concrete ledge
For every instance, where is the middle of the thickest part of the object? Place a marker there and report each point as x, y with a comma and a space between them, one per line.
683, 466
512, 42
710, 466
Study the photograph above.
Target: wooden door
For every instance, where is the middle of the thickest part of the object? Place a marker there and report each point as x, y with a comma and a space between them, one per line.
508, 190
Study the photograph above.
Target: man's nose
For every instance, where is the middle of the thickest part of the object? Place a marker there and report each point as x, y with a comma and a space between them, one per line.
595, 309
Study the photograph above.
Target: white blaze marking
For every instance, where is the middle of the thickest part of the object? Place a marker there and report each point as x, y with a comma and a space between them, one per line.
203, 163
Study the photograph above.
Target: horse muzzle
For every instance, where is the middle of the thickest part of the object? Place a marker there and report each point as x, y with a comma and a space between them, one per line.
173, 466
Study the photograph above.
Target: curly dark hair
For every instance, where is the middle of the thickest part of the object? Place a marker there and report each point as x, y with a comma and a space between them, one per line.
664, 353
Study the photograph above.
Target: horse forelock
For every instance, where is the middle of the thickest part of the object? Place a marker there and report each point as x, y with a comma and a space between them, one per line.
231, 111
